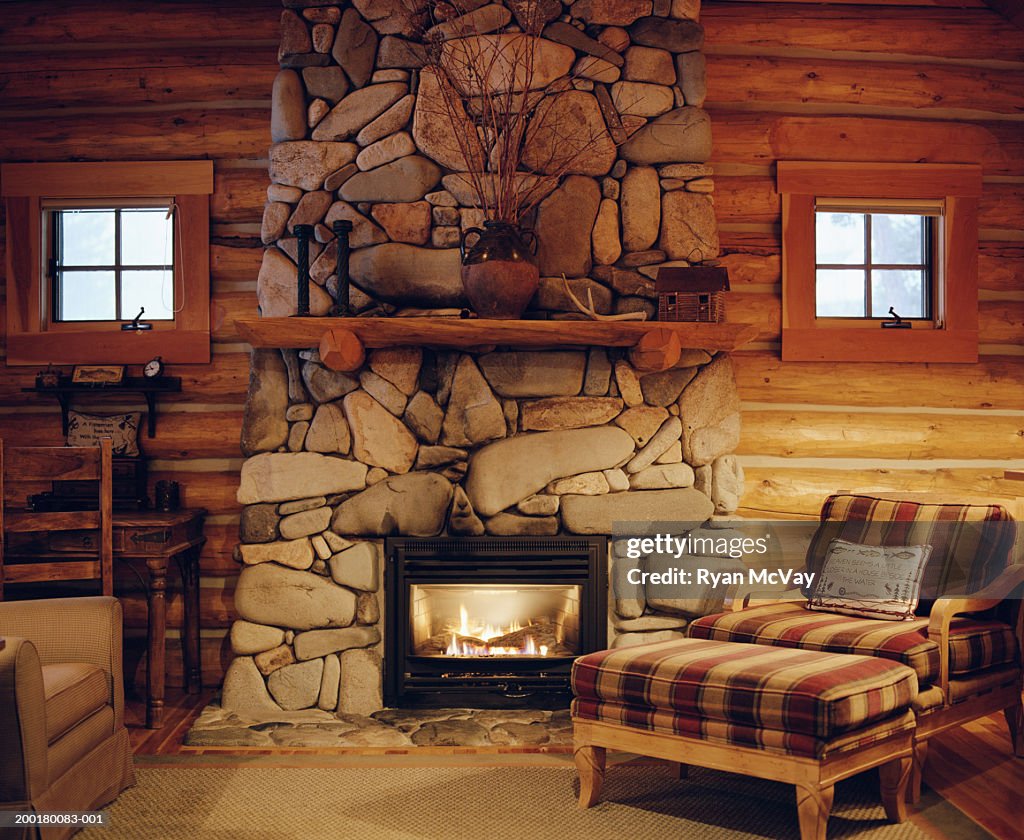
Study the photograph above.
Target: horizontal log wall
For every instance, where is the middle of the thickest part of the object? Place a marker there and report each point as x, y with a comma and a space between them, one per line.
98, 81
869, 82
151, 80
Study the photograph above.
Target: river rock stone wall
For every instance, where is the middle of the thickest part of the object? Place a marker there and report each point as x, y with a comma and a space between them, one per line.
358, 134
421, 443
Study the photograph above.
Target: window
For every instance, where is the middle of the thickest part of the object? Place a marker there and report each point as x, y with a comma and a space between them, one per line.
111, 262
862, 242
868, 261
89, 245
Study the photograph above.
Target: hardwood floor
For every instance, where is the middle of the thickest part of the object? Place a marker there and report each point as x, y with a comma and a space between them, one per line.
180, 710
972, 767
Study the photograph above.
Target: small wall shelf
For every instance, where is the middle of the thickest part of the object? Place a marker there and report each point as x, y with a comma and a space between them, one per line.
301, 333
149, 388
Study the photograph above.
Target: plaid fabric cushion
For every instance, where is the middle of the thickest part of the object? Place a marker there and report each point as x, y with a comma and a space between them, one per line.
795, 691
975, 644
717, 732
789, 624
965, 556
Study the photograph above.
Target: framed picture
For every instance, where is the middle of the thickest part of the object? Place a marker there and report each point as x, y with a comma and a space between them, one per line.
98, 374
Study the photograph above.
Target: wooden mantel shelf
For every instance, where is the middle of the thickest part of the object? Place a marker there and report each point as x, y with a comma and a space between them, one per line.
302, 333
653, 345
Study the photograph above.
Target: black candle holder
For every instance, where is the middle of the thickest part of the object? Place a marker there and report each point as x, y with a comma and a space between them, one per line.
342, 228
302, 235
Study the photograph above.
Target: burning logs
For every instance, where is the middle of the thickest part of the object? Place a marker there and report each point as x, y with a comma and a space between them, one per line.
539, 639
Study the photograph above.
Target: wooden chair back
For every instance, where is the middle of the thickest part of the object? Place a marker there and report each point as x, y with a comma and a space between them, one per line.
88, 554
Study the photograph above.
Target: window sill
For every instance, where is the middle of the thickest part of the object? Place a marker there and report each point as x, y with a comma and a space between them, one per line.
914, 345
101, 347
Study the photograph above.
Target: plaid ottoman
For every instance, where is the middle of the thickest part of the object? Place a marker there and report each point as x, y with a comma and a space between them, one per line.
806, 717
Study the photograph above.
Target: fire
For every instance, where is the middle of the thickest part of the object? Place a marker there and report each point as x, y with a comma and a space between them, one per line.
472, 638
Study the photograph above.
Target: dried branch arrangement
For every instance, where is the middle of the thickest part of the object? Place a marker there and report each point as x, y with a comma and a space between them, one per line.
507, 108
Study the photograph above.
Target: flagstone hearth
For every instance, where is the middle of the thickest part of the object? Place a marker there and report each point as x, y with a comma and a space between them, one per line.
217, 727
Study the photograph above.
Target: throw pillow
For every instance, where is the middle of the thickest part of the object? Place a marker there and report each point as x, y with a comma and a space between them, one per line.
122, 429
870, 581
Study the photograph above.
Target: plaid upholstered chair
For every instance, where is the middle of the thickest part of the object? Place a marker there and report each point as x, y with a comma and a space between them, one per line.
63, 742
965, 647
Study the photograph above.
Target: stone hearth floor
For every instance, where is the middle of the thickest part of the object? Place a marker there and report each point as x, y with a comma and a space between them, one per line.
217, 727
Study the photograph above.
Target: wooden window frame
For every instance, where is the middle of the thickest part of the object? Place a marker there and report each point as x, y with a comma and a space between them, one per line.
951, 335
32, 337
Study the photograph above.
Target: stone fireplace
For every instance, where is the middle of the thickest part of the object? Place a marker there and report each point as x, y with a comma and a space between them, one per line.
499, 442
491, 621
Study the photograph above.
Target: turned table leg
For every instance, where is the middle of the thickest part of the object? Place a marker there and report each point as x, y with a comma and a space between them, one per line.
188, 565
157, 634
590, 766
813, 807
894, 777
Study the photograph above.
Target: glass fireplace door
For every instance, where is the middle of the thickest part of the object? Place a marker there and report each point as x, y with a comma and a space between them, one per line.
494, 620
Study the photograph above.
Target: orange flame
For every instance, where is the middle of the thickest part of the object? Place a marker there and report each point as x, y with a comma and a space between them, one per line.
484, 632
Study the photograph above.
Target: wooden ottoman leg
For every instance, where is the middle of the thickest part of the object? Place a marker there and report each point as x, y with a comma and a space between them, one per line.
813, 805
590, 766
917, 772
679, 770
1015, 720
895, 777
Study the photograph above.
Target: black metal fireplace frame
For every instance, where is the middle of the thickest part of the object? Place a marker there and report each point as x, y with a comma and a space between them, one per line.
501, 682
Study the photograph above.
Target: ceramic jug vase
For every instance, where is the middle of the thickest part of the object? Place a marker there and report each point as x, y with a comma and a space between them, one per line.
499, 269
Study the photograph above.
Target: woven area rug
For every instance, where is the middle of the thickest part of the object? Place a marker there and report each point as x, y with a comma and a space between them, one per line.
475, 803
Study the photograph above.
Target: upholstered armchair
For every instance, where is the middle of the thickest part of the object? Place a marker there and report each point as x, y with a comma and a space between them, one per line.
965, 648
63, 742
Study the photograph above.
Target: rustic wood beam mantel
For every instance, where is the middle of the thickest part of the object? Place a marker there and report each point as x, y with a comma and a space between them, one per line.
302, 333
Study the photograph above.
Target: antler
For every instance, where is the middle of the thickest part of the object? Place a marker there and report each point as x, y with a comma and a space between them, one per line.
591, 313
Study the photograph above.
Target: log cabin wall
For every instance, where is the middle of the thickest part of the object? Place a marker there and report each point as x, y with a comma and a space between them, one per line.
92, 80
869, 82
103, 81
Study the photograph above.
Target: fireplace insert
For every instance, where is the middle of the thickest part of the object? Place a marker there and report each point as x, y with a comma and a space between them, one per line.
491, 622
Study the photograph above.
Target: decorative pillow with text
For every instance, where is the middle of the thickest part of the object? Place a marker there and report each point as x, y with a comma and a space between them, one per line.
871, 581
122, 429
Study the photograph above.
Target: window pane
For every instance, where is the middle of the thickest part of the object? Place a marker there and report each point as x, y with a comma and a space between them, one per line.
151, 289
839, 238
897, 238
87, 296
904, 290
87, 237
840, 293
147, 237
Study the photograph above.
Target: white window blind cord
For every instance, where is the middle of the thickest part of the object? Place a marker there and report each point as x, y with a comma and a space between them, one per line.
172, 210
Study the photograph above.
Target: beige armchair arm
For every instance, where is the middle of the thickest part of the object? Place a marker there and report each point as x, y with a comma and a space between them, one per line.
23, 768
73, 630
944, 610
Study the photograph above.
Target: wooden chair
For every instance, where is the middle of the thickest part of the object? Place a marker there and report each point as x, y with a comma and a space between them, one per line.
86, 554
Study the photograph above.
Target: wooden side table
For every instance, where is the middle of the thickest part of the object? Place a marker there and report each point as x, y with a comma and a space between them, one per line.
159, 538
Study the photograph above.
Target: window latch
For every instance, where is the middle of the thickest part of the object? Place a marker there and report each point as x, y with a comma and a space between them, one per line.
898, 324
136, 324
